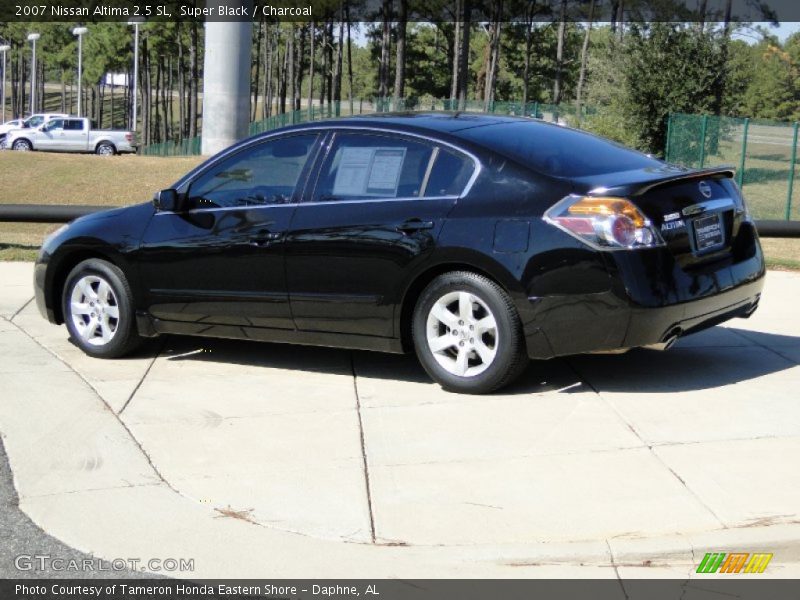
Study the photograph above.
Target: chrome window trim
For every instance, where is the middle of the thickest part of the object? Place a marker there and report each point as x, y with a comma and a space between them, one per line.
332, 128
310, 203
431, 161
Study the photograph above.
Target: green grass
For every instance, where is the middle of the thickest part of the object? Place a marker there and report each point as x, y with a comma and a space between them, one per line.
782, 253
49, 178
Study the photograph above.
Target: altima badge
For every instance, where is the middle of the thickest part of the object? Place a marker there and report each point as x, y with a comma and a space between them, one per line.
672, 225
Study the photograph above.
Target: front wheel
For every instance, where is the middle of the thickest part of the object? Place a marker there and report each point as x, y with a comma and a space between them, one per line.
22, 146
98, 309
467, 334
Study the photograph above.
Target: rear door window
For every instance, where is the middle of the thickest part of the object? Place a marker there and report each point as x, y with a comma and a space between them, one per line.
369, 166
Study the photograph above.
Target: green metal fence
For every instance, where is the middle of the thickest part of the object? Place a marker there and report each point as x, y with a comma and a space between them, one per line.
563, 113
763, 152
185, 147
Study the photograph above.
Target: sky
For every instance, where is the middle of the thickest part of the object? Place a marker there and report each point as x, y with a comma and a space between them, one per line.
782, 31
785, 29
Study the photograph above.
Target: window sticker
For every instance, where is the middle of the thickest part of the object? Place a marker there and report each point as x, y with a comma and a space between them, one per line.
369, 171
384, 176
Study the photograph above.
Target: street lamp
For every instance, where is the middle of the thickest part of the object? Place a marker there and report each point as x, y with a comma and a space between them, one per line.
32, 37
4, 48
79, 31
135, 24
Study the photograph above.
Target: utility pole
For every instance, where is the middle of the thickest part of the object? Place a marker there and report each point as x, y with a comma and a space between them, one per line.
79, 31
32, 37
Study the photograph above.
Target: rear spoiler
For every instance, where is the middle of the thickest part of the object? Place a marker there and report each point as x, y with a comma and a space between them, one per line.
642, 182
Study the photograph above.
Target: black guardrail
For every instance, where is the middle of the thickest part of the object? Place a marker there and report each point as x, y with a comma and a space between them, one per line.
45, 213
56, 213
778, 229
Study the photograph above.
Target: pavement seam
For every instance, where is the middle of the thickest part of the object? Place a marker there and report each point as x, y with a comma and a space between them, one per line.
616, 570
646, 444
24, 306
89, 490
107, 406
363, 450
144, 375
752, 341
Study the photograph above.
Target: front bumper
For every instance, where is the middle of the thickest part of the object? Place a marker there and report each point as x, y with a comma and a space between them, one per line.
39, 278
650, 300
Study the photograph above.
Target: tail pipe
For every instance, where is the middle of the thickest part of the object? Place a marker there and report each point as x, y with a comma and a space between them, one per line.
669, 341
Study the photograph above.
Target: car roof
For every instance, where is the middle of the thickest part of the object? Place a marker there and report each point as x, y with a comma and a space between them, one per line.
433, 121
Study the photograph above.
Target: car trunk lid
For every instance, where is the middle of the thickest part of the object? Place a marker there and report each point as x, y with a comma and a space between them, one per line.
697, 212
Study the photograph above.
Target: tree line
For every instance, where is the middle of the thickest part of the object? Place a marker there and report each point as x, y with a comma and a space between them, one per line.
620, 77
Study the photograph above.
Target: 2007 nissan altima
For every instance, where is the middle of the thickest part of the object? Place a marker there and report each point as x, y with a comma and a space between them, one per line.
476, 241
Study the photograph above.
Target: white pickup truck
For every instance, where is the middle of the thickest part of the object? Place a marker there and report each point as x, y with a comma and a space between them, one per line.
32, 121
71, 134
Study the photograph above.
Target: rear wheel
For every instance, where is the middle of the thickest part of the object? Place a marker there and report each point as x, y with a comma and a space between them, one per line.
22, 146
105, 149
467, 334
98, 309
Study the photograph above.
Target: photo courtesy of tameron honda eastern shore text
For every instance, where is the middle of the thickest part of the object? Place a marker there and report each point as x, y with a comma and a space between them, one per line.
476, 241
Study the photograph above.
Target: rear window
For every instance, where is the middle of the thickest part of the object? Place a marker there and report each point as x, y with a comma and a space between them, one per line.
558, 151
450, 175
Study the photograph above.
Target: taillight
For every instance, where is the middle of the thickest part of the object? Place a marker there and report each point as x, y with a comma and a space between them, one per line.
129, 137
604, 222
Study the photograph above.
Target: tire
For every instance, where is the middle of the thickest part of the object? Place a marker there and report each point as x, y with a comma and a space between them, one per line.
105, 149
22, 146
467, 334
96, 291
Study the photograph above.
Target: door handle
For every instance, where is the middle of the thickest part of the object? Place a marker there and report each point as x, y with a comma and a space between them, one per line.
265, 238
413, 225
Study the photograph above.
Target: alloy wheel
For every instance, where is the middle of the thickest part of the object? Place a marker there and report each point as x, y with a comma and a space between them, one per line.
94, 310
462, 334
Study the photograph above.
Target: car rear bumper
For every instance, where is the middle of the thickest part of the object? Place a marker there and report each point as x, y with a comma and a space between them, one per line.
650, 300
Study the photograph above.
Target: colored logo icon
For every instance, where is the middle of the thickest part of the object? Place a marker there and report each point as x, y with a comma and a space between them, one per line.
735, 562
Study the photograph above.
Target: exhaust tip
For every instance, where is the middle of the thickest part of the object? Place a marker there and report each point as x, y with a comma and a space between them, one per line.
668, 342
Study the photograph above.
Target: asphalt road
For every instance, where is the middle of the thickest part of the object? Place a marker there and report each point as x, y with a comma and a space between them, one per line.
21, 537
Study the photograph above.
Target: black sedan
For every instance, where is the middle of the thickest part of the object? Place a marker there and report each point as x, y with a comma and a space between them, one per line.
477, 241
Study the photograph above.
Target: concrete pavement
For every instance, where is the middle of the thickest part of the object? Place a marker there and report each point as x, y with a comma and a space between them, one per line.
278, 461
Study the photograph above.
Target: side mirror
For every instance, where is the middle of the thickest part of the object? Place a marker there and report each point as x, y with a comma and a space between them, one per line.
166, 200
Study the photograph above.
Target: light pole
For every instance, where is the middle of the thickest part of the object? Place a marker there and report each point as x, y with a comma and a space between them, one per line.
32, 37
4, 48
135, 68
79, 31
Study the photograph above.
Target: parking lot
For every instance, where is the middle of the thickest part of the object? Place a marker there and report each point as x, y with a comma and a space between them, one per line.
272, 460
